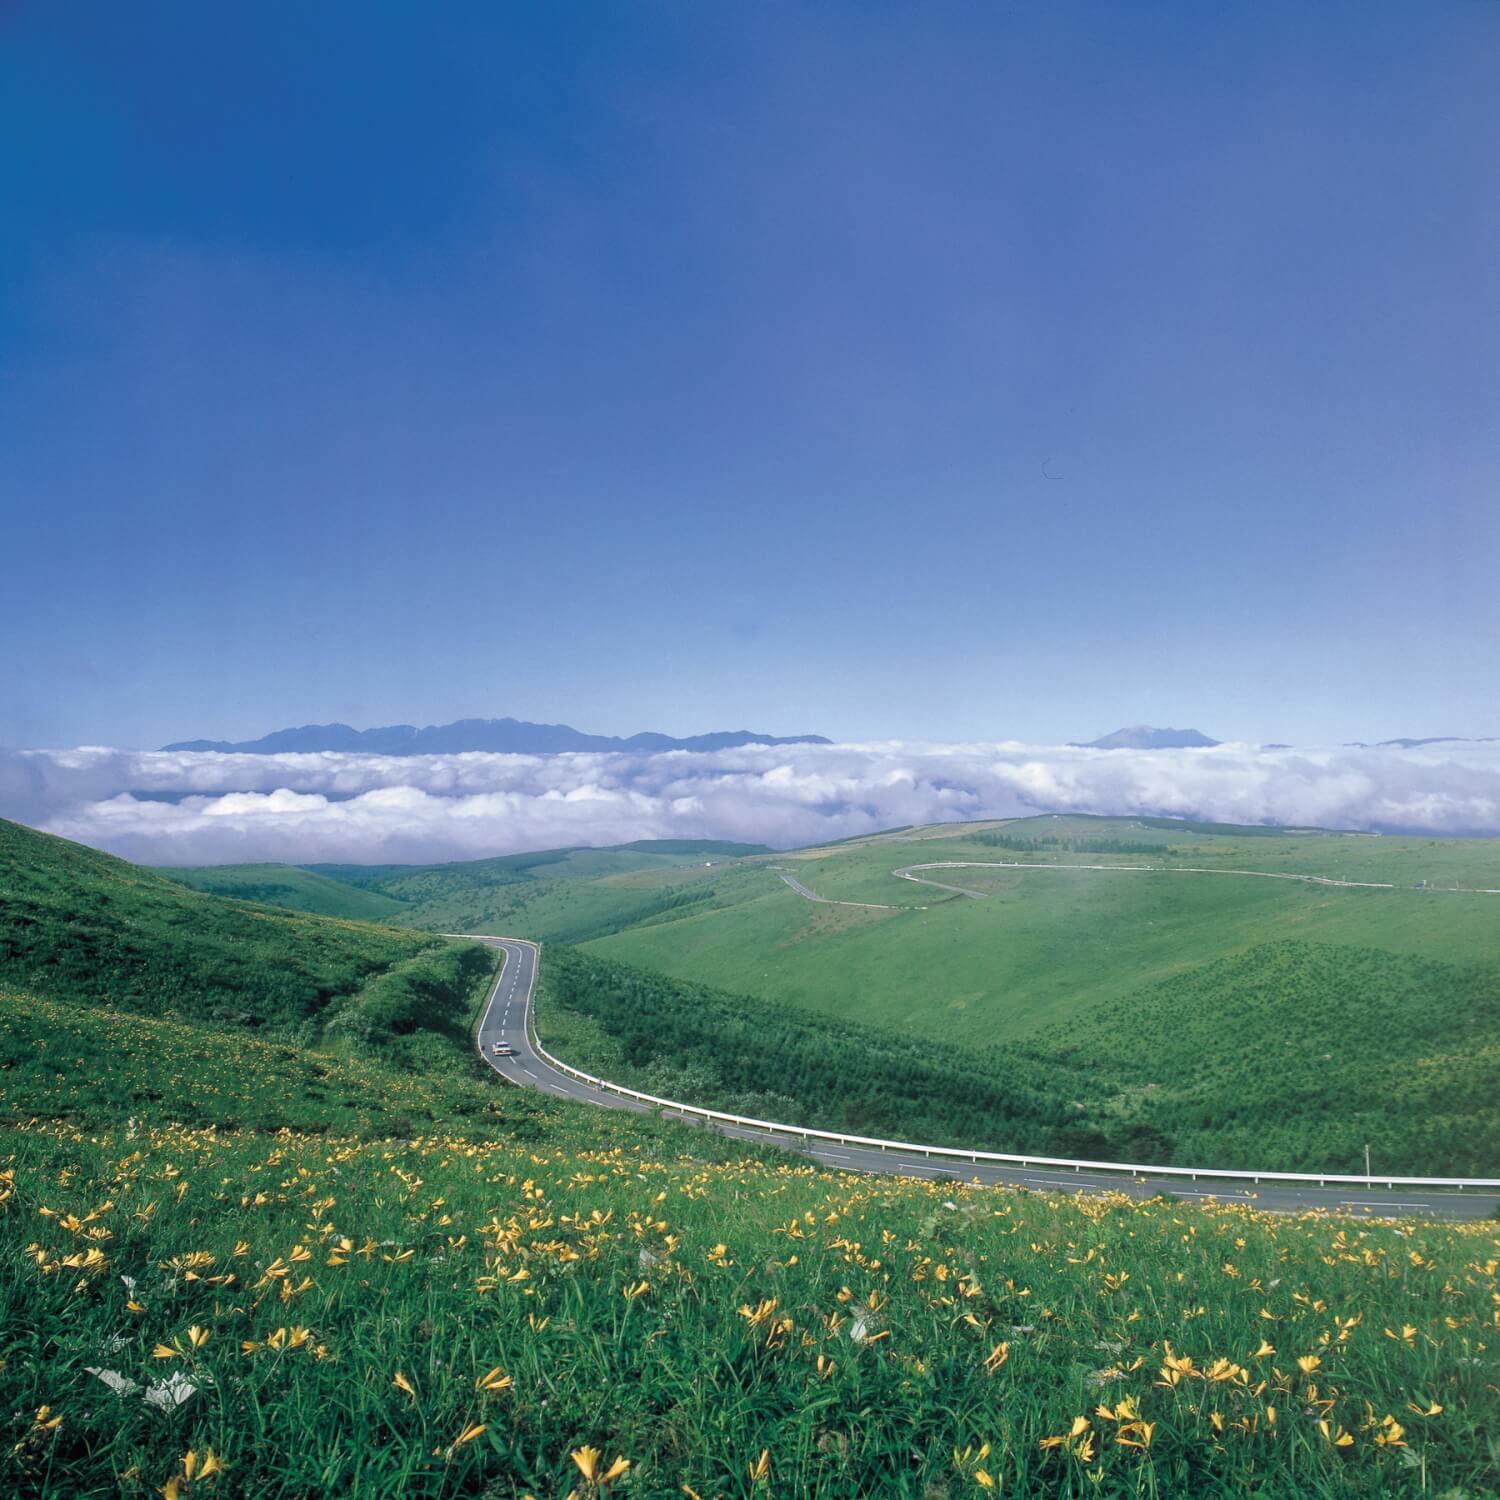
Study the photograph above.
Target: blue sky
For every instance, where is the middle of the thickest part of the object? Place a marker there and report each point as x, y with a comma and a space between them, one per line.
951, 371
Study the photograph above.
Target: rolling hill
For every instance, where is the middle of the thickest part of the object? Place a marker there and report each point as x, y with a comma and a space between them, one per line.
292, 887
565, 894
77, 926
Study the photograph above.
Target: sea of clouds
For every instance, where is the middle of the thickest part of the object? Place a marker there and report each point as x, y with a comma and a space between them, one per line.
174, 807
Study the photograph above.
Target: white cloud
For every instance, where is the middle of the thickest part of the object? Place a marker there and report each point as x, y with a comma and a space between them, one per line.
164, 807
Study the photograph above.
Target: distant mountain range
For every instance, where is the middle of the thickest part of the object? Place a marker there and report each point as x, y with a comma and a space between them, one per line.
518, 737
1432, 739
1145, 737
503, 736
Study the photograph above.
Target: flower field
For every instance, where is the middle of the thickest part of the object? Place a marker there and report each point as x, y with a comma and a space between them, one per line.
190, 1313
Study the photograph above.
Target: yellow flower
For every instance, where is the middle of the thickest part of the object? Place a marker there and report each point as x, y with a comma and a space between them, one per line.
197, 1336
760, 1314
587, 1458
496, 1380
193, 1469
761, 1467
997, 1357
402, 1383
1307, 1363
630, 1293
165, 1351
983, 1480
1265, 1350
1433, 1409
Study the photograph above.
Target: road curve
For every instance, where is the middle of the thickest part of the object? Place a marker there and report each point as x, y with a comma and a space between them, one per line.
505, 1017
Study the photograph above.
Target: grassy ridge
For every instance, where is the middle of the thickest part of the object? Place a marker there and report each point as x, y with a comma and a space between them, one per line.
444, 1317
291, 887
561, 895
82, 927
1162, 1015
76, 924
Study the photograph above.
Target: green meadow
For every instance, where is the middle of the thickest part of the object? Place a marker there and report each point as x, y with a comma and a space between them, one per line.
1042, 946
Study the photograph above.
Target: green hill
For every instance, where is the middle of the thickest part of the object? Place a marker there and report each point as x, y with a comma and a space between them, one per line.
1036, 947
292, 887
563, 895
80, 926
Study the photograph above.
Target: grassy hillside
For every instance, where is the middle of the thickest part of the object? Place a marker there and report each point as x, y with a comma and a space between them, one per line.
1293, 1055
1043, 946
291, 887
77, 925
441, 1317
685, 1041
559, 894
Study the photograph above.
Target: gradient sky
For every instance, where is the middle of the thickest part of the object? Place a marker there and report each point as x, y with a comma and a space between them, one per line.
952, 371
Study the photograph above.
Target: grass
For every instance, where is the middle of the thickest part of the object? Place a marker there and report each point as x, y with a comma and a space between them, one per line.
293, 888
79, 925
1045, 946
442, 1317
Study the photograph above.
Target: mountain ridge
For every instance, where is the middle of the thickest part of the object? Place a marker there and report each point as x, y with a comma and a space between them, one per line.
505, 736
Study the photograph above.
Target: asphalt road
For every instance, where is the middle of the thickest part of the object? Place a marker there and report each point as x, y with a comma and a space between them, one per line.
504, 1020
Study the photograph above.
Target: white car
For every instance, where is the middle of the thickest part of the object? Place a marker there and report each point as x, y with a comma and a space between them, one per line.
503, 1049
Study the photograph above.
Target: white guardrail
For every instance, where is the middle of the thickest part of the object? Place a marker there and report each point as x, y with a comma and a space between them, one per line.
958, 1154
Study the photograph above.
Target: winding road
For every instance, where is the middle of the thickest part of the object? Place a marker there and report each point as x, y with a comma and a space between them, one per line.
506, 1018
907, 873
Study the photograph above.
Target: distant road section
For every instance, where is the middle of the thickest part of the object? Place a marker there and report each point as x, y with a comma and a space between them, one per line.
907, 873
505, 1020
802, 890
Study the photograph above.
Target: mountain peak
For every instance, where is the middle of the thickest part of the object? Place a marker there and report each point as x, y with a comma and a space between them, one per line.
1147, 737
